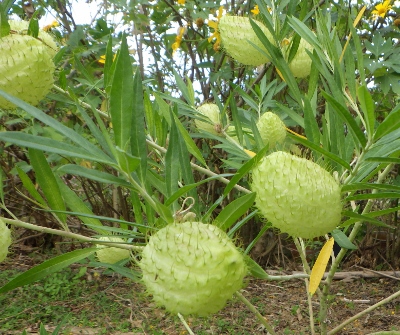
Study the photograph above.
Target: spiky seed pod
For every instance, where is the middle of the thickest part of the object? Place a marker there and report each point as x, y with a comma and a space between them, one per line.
192, 268
300, 66
271, 128
26, 68
235, 32
111, 255
5, 240
21, 28
296, 195
211, 111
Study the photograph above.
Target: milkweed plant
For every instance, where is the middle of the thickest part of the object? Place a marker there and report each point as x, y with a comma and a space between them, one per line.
308, 148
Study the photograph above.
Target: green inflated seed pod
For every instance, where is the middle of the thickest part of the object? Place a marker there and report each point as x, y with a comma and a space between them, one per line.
192, 268
296, 195
236, 32
111, 255
210, 111
5, 240
271, 128
26, 67
300, 66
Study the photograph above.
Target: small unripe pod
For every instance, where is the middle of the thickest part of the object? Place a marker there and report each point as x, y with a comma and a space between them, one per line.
5, 240
296, 195
300, 66
235, 32
211, 111
192, 268
111, 255
271, 128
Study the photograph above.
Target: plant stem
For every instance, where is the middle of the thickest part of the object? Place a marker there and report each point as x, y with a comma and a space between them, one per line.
69, 234
256, 312
185, 324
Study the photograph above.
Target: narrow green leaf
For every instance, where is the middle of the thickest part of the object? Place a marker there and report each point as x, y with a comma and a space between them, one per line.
382, 195
367, 106
363, 218
191, 146
126, 161
108, 68
46, 268
121, 97
389, 124
322, 151
101, 177
244, 169
171, 158
138, 135
33, 28
4, 25
47, 182
49, 145
255, 270
342, 240
388, 160
354, 129
79, 66
310, 123
64, 130
369, 186
182, 88
234, 210
76, 204
28, 185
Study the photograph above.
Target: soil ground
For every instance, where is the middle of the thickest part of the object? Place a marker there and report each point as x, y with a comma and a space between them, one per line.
101, 303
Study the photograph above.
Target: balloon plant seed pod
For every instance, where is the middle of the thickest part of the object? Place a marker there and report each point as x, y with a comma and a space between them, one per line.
297, 196
300, 65
271, 128
210, 111
26, 65
236, 32
111, 255
5, 240
192, 268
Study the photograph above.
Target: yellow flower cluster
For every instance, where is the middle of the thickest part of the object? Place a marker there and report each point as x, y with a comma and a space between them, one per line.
178, 40
255, 10
181, 2
214, 25
381, 9
51, 25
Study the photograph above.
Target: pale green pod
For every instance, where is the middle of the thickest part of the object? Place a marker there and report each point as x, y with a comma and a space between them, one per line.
271, 128
26, 69
297, 196
111, 255
192, 268
236, 32
300, 66
5, 240
211, 111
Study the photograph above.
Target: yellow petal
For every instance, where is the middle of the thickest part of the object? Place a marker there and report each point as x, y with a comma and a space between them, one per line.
319, 267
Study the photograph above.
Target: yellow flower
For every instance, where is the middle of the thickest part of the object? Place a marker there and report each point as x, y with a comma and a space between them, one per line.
51, 25
381, 9
255, 10
214, 25
181, 2
178, 40
102, 59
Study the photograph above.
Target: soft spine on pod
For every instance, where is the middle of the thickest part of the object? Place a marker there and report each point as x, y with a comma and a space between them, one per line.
192, 268
111, 255
296, 195
271, 128
26, 65
210, 111
300, 66
5, 240
235, 32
